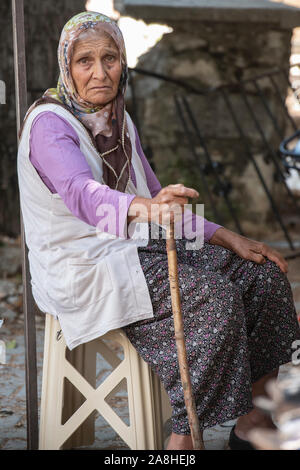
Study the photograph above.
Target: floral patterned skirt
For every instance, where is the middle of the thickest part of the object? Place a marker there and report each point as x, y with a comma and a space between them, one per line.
239, 324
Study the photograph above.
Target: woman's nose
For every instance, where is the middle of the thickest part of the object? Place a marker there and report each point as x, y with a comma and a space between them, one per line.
99, 71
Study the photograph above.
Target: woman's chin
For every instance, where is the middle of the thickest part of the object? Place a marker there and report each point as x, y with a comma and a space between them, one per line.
100, 100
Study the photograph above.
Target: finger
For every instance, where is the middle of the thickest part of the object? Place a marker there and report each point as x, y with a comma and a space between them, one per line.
181, 190
179, 201
275, 256
259, 259
272, 255
170, 201
281, 264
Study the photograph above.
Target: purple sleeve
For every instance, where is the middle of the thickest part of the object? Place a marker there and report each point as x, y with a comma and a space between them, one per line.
56, 155
209, 229
194, 225
190, 218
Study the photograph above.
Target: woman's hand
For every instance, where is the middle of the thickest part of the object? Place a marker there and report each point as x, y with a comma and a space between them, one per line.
248, 249
167, 205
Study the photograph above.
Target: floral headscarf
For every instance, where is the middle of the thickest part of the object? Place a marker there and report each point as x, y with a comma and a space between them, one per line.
106, 124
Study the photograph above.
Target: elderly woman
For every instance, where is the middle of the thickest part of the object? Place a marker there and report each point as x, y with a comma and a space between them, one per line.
87, 194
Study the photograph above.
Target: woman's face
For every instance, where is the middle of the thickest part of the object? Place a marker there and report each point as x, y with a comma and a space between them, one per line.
96, 69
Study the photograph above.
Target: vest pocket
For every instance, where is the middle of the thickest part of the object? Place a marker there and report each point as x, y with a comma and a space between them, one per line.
90, 281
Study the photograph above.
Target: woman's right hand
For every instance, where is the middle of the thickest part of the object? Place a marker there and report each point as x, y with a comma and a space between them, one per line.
165, 207
168, 204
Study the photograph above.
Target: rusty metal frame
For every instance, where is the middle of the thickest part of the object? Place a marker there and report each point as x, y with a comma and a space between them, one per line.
28, 301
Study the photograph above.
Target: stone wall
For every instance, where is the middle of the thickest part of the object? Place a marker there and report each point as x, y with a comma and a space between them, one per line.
205, 55
43, 23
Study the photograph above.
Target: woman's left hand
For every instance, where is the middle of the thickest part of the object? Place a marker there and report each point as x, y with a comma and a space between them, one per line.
248, 249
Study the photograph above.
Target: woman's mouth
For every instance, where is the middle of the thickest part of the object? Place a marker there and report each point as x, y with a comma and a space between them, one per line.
100, 88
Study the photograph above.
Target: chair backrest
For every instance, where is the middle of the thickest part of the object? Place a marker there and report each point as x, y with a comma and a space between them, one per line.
28, 301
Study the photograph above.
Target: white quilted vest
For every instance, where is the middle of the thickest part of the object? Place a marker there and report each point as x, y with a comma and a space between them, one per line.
92, 281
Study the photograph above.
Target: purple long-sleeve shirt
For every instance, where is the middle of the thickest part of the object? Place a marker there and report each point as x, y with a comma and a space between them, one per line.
55, 153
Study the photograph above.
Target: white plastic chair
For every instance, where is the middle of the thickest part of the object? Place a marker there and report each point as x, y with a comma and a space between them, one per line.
66, 417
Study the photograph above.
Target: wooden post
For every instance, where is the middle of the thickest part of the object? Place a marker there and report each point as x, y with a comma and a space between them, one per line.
28, 301
180, 342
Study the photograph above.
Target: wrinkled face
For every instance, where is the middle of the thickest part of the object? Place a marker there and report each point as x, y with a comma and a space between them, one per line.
96, 68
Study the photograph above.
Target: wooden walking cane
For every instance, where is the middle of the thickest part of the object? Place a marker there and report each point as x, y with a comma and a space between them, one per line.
28, 301
180, 342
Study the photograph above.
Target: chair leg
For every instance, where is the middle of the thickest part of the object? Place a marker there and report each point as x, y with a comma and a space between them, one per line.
52, 387
148, 397
83, 358
60, 399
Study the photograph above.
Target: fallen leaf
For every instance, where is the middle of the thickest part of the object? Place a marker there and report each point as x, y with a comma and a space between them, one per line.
11, 344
